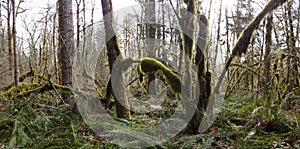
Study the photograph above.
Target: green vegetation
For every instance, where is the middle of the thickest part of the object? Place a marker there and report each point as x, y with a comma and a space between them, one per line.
151, 65
39, 121
52, 83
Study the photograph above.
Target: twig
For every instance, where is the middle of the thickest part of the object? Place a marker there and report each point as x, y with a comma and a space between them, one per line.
59, 96
131, 82
177, 15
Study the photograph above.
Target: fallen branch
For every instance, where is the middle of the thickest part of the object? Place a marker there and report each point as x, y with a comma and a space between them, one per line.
21, 79
25, 90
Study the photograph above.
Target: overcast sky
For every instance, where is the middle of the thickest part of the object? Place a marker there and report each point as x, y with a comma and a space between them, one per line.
36, 10
36, 7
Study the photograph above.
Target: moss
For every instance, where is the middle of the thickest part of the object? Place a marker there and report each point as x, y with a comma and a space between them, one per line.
151, 65
140, 72
19, 89
21, 79
26, 89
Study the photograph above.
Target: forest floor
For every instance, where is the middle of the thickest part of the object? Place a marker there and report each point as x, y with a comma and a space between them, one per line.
245, 122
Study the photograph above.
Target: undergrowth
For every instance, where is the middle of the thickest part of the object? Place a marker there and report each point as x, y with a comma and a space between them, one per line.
245, 122
41, 123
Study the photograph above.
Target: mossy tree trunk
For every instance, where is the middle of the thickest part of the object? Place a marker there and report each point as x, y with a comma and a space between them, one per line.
186, 25
188, 43
239, 48
187, 28
202, 74
113, 51
267, 57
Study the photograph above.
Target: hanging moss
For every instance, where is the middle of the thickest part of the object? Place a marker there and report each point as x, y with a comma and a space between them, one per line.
151, 65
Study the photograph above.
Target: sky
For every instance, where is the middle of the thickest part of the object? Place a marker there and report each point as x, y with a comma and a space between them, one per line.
36, 10
36, 7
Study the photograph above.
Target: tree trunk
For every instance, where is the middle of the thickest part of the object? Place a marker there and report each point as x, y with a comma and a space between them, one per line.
187, 34
16, 66
66, 46
55, 61
218, 34
267, 58
186, 26
227, 39
78, 2
150, 35
113, 51
203, 75
292, 44
1, 32
9, 38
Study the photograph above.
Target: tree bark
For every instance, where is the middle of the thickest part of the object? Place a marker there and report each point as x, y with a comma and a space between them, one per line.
78, 2
66, 46
218, 34
150, 35
267, 57
1, 42
16, 65
113, 51
292, 44
203, 75
9, 38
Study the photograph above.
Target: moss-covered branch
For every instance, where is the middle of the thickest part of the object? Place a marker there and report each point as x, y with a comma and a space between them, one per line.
21, 78
244, 40
27, 89
151, 65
